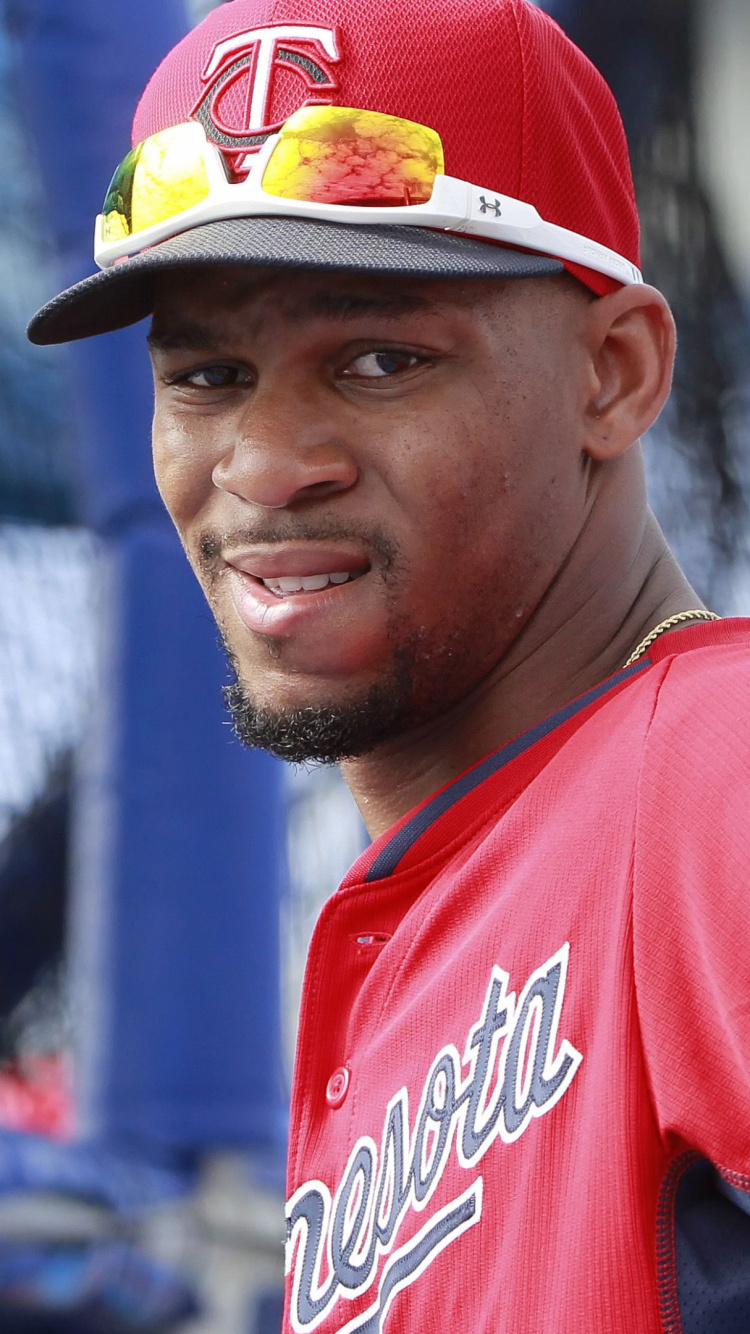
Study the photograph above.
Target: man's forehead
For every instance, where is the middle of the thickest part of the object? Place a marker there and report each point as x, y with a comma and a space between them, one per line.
212, 298
213, 295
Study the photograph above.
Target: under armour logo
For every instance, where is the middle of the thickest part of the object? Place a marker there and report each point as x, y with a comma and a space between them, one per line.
490, 206
246, 76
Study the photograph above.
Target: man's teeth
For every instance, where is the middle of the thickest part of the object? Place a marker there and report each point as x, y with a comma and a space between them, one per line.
308, 583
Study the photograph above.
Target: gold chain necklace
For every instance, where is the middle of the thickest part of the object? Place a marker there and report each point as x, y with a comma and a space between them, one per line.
659, 629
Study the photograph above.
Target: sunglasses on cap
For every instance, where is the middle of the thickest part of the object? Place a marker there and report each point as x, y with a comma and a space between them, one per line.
335, 164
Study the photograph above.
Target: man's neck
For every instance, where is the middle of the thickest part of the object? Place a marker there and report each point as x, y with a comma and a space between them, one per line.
582, 632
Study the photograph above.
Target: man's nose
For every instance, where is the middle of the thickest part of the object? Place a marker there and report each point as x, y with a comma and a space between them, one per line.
285, 452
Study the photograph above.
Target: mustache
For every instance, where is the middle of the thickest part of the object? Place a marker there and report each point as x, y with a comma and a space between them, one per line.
383, 551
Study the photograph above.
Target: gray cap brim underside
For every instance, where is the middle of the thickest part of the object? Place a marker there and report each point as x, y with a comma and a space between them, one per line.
123, 294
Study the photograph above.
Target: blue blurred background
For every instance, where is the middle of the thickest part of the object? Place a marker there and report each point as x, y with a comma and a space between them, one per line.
158, 884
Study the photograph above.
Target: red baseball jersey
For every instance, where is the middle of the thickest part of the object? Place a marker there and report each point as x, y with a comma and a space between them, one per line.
522, 1093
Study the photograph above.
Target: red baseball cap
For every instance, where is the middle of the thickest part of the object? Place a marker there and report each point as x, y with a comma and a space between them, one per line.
519, 109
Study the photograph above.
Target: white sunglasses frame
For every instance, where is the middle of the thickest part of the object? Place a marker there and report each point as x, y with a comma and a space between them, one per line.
454, 206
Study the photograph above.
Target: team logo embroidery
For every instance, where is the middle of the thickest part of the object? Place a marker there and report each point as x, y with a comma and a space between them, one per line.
236, 107
512, 1071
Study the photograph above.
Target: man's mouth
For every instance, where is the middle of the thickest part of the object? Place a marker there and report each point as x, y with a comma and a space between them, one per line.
285, 586
305, 568
313, 592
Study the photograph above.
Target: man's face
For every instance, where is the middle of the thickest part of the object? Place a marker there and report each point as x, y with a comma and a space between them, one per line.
416, 442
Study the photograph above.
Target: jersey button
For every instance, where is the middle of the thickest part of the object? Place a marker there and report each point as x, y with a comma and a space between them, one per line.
337, 1087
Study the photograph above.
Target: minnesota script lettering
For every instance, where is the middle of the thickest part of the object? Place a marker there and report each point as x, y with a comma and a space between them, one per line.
513, 1074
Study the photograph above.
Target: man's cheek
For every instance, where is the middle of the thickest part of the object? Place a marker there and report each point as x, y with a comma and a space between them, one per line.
165, 469
184, 483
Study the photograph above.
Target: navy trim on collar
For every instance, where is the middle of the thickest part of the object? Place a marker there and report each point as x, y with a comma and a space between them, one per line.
391, 855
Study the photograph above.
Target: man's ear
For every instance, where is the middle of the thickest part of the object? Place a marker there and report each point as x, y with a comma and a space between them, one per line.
631, 342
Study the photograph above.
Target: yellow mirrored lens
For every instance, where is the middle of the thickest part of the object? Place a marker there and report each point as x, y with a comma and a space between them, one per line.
338, 155
158, 180
116, 206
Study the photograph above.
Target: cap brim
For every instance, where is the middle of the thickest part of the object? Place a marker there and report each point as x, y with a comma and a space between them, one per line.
123, 294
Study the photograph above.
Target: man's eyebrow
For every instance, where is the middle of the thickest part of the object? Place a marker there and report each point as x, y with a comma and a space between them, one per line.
185, 336
352, 305
193, 337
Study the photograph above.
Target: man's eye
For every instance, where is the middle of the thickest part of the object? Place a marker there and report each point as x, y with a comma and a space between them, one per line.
376, 365
216, 377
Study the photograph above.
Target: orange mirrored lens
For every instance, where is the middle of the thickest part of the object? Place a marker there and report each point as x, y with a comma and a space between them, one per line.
337, 155
159, 179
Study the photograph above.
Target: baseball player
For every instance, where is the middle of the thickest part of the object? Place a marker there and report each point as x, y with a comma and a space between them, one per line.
403, 357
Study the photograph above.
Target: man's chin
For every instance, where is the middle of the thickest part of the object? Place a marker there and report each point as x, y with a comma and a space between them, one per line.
422, 681
321, 733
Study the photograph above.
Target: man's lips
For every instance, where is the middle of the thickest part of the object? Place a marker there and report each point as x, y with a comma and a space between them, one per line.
306, 559
268, 586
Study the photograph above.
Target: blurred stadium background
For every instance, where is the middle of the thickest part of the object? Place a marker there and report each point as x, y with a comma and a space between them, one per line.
158, 886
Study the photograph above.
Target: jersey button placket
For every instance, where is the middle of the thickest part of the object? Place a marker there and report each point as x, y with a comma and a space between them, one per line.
337, 1087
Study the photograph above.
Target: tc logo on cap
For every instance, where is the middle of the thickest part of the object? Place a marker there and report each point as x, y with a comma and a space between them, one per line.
243, 73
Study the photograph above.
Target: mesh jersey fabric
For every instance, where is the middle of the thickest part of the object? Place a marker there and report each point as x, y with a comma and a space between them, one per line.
543, 1018
514, 79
